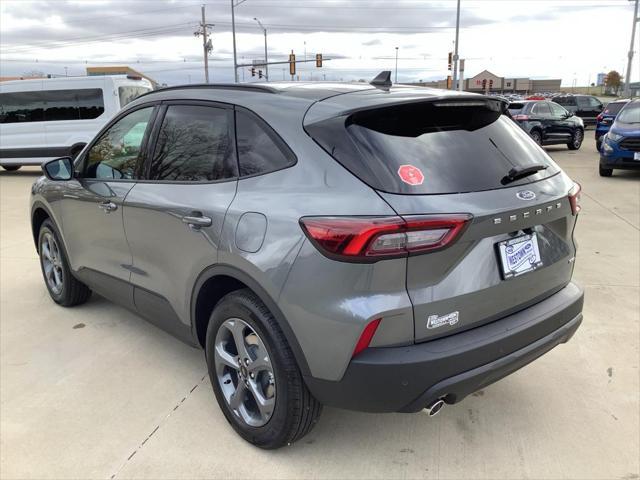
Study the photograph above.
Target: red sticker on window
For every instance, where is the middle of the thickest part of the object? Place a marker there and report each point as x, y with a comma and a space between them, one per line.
410, 174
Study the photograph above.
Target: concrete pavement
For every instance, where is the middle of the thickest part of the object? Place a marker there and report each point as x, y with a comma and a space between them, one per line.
96, 392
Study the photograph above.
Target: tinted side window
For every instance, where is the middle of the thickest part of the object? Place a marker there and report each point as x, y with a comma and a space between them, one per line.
51, 105
21, 107
260, 150
72, 104
118, 151
583, 101
193, 145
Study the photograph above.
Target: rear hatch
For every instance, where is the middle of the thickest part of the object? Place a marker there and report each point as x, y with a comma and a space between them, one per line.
464, 156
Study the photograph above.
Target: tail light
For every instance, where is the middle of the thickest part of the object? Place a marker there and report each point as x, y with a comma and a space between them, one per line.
366, 336
599, 118
521, 117
369, 239
574, 198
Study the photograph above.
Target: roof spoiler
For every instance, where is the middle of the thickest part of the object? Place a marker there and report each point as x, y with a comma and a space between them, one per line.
382, 80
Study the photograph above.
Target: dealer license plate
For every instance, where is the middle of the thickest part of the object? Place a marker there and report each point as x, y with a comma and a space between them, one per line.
519, 255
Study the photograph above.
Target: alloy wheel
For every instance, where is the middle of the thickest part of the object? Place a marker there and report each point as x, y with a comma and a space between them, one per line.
244, 372
577, 138
52, 263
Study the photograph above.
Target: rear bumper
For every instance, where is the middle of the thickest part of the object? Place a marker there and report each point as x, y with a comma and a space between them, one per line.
406, 379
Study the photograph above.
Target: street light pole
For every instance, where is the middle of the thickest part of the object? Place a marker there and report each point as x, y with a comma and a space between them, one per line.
455, 52
396, 65
627, 83
266, 58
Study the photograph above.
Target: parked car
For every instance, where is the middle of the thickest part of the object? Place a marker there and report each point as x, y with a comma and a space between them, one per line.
372, 247
586, 107
606, 118
42, 119
548, 123
621, 145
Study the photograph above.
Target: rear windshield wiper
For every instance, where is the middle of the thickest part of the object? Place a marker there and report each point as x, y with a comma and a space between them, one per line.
516, 173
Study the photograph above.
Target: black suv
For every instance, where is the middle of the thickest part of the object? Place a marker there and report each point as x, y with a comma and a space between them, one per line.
586, 107
548, 123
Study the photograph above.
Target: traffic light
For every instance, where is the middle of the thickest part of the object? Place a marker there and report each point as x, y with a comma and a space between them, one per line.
259, 73
449, 82
253, 72
292, 64
318, 60
450, 60
491, 84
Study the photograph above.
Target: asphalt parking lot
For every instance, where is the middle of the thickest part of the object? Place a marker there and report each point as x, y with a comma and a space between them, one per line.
96, 392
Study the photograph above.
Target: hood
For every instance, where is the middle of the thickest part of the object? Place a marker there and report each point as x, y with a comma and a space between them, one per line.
626, 128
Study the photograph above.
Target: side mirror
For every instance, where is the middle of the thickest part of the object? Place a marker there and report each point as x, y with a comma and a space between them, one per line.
568, 114
58, 169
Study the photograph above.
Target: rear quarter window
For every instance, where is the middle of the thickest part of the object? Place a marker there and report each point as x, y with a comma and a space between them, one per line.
455, 149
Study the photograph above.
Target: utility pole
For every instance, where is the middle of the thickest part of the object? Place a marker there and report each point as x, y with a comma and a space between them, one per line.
627, 83
455, 52
206, 42
396, 65
266, 58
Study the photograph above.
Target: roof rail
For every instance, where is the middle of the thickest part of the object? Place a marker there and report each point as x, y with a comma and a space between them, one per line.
218, 86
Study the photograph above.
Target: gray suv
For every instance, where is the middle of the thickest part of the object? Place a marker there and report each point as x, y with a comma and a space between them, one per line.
371, 247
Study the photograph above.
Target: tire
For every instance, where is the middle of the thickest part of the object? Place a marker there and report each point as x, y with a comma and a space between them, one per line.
289, 410
12, 168
598, 145
536, 136
576, 139
63, 287
605, 172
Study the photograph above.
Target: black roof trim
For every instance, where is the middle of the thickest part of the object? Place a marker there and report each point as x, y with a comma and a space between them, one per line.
216, 86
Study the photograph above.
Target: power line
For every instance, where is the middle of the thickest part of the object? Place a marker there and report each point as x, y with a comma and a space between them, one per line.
98, 38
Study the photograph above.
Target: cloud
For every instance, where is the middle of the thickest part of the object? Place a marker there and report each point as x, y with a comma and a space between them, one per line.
358, 35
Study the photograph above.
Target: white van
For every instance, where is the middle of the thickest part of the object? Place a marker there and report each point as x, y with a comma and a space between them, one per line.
55, 117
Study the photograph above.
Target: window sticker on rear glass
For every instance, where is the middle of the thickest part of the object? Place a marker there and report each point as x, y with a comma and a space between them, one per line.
410, 175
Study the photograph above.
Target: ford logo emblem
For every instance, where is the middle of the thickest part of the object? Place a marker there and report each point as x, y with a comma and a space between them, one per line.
526, 195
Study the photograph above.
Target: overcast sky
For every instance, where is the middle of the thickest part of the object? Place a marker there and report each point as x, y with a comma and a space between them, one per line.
567, 39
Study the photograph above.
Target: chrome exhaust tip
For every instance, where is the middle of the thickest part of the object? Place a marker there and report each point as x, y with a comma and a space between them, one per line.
433, 409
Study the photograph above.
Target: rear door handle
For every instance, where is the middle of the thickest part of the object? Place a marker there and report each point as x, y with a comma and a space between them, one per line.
107, 207
196, 222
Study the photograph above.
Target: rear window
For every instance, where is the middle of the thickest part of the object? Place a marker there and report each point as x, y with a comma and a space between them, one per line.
516, 107
613, 108
629, 114
431, 147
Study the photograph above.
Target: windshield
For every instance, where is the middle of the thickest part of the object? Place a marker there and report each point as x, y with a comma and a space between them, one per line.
515, 107
629, 114
130, 93
423, 148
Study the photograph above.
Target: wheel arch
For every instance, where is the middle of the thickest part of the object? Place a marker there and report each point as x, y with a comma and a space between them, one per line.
39, 213
217, 281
